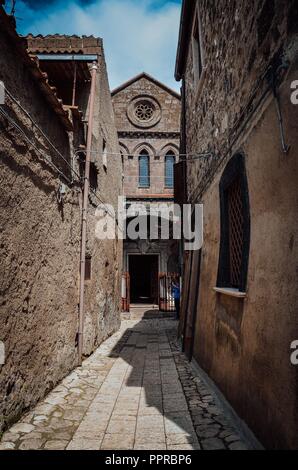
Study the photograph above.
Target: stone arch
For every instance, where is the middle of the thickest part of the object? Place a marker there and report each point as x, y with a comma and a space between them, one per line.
124, 149
144, 146
170, 147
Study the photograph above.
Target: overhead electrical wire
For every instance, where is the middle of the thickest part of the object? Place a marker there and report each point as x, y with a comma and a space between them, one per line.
26, 138
54, 148
61, 174
47, 159
39, 129
248, 111
73, 171
195, 156
187, 155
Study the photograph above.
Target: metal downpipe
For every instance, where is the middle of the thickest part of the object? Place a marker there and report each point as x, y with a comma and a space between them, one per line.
94, 69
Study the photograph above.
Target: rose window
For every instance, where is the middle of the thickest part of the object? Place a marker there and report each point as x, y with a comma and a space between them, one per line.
144, 111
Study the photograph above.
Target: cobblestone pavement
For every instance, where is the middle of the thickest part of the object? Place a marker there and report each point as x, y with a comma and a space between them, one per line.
137, 391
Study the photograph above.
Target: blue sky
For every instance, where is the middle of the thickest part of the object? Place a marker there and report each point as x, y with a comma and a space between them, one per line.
139, 35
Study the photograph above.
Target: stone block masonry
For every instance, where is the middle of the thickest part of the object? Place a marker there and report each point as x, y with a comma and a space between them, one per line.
147, 115
160, 135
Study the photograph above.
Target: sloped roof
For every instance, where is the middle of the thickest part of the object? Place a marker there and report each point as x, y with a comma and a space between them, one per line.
8, 25
147, 77
63, 44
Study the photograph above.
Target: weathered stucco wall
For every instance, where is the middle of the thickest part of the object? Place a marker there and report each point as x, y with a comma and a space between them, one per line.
40, 246
245, 344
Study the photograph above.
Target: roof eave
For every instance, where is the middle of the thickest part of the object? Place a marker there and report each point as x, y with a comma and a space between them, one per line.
187, 11
34, 70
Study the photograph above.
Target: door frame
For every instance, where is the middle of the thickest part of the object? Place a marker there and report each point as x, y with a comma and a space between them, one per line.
158, 267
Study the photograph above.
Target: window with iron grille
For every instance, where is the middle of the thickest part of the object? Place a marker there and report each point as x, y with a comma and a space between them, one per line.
235, 225
235, 211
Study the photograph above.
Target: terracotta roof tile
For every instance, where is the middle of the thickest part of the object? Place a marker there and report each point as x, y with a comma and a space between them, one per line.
40, 77
63, 44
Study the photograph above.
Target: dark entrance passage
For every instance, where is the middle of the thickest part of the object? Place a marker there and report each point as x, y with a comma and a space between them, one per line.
143, 270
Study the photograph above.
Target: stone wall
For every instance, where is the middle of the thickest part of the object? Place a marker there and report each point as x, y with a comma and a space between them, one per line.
157, 139
157, 136
40, 243
236, 55
144, 86
244, 345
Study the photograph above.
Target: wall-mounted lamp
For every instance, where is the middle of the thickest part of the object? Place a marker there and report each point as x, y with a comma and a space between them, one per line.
2, 93
61, 192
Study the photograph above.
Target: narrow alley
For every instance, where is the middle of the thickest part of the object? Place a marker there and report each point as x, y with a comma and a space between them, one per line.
148, 227
137, 391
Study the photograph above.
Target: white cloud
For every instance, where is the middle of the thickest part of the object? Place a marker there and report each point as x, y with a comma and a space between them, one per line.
137, 37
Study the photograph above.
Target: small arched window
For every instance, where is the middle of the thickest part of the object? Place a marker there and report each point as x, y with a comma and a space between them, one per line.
144, 169
169, 169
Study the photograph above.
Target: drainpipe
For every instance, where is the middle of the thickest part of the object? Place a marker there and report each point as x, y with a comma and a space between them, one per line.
94, 68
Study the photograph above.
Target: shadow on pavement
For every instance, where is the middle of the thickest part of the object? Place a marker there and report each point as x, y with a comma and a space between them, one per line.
152, 375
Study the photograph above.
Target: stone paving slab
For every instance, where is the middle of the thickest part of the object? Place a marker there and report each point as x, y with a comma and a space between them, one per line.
136, 391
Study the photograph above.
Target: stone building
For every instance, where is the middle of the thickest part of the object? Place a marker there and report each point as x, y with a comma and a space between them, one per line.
238, 62
43, 128
148, 122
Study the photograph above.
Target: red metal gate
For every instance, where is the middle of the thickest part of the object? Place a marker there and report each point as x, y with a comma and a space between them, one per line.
166, 299
125, 292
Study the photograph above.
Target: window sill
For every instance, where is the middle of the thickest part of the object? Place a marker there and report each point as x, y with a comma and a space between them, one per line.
230, 292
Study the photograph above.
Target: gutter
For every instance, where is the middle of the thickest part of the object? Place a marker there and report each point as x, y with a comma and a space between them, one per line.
67, 57
187, 11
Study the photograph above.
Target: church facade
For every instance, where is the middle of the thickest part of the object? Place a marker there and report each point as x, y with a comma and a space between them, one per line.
147, 117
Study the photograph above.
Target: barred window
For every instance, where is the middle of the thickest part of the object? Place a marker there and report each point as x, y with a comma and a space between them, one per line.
235, 226
169, 170
144, 169
235, 211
